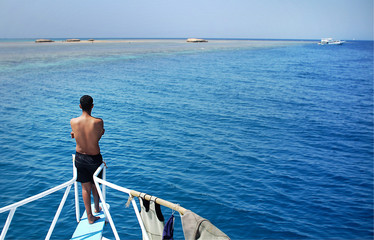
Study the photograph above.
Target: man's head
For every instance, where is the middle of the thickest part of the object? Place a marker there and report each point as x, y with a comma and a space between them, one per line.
86, 103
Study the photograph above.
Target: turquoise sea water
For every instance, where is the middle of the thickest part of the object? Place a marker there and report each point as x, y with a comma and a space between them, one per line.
266, 139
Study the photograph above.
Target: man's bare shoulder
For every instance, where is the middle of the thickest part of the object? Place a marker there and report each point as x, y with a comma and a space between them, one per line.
98, 120
74, 120
77, 119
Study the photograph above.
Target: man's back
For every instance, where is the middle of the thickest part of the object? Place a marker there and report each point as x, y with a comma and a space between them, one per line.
87, 132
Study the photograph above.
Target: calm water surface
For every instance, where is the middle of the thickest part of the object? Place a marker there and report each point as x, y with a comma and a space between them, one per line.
266, 139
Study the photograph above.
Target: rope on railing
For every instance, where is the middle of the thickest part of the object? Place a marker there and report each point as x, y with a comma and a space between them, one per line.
160, 201
132, 194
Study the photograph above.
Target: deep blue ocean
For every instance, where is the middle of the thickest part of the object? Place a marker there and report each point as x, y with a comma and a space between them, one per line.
266, 139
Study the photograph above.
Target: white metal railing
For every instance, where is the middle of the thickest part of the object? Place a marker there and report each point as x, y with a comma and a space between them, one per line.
102, 194
103, 200
13, 207
132, 194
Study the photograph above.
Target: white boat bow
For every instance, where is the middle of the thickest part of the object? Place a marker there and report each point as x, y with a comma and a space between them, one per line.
192, 228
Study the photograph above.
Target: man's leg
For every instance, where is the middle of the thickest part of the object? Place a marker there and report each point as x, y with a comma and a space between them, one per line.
86, 195
96, 198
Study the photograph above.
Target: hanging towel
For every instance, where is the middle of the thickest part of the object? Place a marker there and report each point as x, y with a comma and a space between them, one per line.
152, 217
196, 227
169, 229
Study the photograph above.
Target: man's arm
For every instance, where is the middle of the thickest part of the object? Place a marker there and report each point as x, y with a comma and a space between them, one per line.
100, 127
103, 127
71, 125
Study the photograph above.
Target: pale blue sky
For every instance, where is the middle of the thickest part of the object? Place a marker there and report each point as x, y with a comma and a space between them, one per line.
287, 19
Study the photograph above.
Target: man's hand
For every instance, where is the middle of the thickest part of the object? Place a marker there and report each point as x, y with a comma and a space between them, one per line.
72, 134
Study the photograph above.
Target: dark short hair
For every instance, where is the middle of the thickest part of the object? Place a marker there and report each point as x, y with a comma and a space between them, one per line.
86, 102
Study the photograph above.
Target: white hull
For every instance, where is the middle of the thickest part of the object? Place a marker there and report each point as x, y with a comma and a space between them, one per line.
330, 41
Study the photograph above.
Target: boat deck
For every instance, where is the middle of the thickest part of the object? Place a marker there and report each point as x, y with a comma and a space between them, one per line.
87, 231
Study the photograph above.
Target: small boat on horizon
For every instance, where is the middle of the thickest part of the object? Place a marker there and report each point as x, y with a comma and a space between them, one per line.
330, 41
196, 40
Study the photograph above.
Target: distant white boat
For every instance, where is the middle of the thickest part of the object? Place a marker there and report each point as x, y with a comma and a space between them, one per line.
195, 40
330, 41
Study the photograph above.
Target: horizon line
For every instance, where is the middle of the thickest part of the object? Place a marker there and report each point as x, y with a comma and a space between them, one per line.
209, 38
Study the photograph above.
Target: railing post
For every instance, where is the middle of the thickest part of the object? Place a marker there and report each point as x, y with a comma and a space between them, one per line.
62, 203
106, 211
103, 185
7, 223
77, 209
140, 221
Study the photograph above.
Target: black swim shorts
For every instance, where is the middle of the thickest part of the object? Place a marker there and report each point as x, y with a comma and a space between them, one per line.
86, 166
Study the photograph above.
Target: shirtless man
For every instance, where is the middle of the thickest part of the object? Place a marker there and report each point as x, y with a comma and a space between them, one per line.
87, 132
